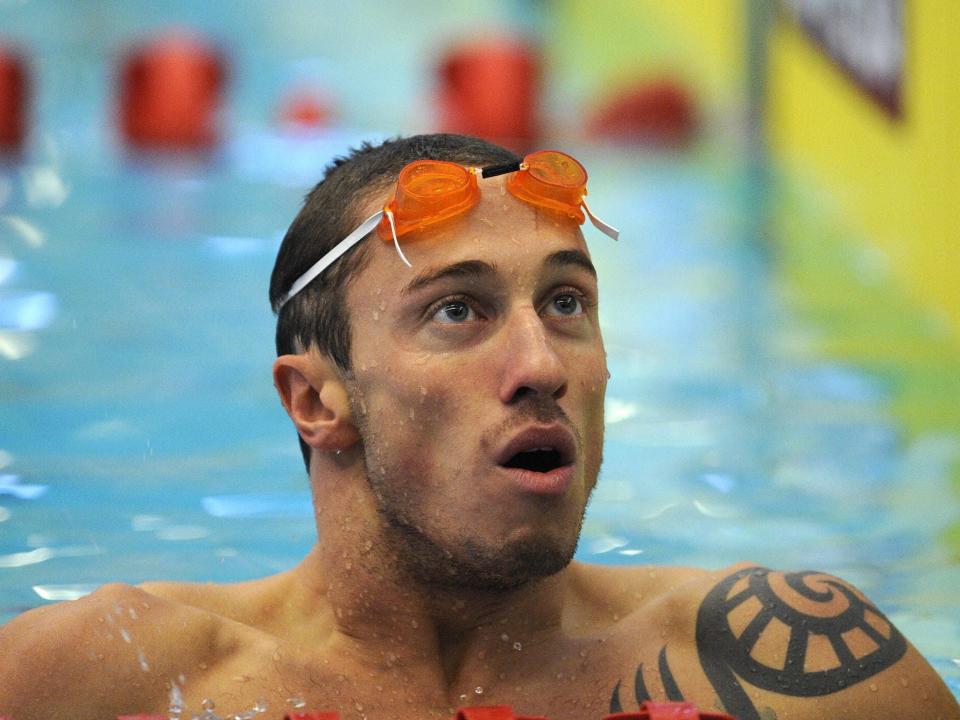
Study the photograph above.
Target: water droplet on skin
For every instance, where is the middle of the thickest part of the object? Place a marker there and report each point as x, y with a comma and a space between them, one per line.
208, 704
463, 697
132, 613
904, 682
411, 413
505, 637
142, 659
517, 646
414, 624
297, 702
125, 635
176, 700
260, 706
873, 687
478, 690
376, 315
358, 706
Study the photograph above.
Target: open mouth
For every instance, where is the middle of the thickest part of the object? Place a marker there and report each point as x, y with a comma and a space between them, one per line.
538, 450
541, 460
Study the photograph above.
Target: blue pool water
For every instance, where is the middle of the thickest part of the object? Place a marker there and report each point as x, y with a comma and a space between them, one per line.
140, 436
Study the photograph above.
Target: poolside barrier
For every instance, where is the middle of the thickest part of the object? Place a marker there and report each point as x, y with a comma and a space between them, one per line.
170, 93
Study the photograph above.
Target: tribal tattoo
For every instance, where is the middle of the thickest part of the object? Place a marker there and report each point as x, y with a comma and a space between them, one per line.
822, 637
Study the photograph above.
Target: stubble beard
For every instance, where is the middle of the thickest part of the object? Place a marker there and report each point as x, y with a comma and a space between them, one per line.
468, 563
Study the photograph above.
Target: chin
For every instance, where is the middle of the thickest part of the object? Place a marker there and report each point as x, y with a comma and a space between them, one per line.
474, 565
516, 564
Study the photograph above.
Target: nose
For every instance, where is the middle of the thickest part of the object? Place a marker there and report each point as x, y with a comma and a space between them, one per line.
529, 360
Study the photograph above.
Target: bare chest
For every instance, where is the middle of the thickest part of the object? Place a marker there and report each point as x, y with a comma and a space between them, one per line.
577, 679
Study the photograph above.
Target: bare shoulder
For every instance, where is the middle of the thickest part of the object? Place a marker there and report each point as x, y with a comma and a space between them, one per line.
603, 595
762, 643
93, 650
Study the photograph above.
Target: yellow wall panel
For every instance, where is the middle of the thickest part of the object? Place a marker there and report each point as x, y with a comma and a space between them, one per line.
895, 180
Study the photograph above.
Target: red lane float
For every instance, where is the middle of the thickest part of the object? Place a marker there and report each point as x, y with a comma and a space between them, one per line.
491, 89
659, 112
647, 711
305, 109
13, 99
668, 711
170, 93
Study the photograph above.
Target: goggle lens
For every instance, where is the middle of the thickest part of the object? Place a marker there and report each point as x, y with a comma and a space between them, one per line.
428, 192
552, 180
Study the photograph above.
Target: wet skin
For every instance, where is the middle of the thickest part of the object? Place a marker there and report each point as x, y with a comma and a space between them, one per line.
440, 578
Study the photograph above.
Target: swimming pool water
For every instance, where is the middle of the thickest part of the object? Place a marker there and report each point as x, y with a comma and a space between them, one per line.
141, 437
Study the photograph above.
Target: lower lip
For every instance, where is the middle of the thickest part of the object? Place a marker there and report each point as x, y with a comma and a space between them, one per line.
555, 482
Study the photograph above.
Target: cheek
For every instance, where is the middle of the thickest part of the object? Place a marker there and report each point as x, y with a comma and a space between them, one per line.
412, 410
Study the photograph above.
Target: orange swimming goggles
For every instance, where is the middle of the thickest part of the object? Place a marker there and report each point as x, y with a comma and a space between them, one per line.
432, 191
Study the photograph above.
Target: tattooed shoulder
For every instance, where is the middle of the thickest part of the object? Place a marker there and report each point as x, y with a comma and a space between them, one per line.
803, 634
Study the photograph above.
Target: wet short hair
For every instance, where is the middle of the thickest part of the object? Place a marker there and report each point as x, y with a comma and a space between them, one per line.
317, 316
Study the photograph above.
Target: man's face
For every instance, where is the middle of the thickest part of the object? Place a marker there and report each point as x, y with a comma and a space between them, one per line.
478, 385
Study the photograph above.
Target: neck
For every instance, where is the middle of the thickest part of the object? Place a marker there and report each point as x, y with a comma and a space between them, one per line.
383, 616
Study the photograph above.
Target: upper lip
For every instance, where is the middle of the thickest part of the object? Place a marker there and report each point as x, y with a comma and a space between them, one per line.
555, 437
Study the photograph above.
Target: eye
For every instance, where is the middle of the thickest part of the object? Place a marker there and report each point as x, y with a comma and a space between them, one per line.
565, 304
454, 311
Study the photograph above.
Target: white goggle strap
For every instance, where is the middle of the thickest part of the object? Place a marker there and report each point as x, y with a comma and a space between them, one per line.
396, 243
327, 260
600, 225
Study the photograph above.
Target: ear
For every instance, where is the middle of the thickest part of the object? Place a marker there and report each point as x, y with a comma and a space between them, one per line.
315, 398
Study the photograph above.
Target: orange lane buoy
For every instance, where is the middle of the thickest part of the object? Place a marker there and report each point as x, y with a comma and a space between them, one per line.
170, 91
13, 99
491, 88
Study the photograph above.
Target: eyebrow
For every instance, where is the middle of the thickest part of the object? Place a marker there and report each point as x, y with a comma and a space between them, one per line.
563, 258
465, 269
476, 269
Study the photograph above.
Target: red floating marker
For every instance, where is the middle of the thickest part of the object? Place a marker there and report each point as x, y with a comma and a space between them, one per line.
659, 112
668, 711
491, 89
13, 100
492, 712
170, 93
305, 109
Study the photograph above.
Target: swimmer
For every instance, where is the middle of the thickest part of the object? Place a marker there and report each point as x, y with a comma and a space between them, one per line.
445, 373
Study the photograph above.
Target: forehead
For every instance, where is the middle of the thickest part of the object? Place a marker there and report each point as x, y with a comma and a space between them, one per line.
501, 230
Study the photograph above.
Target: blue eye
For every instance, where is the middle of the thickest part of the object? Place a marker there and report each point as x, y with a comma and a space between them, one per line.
565, 304
454, 311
